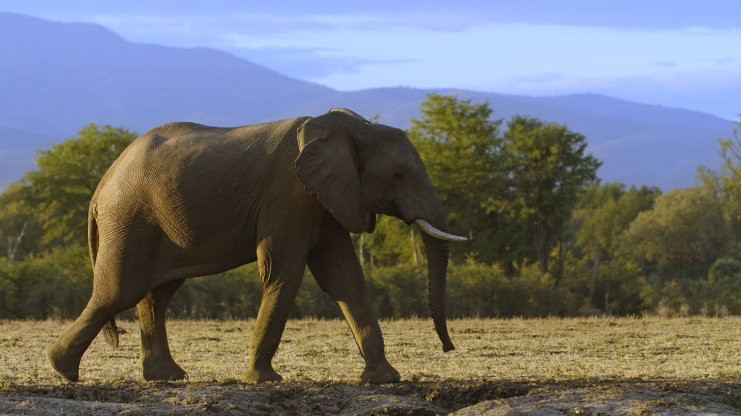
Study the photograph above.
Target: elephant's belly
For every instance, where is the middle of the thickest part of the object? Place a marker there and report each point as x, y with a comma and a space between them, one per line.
204, 256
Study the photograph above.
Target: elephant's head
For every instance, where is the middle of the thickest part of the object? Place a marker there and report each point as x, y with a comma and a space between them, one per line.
359, 169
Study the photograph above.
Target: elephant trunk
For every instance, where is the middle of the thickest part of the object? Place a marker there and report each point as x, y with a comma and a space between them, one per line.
437, 263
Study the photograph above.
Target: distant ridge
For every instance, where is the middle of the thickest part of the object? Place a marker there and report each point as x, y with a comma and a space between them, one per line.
56, 78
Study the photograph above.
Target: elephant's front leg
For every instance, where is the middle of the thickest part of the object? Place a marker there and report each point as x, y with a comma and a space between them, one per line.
281, 271
337, 271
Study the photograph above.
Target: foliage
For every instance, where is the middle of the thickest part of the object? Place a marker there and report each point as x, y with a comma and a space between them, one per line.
67, 175
548, 171
52, 201
606, 211
392, 242
681, 236
461, 148
57, 284
18, 225
398, 291
730, 151
724, 281
233, 294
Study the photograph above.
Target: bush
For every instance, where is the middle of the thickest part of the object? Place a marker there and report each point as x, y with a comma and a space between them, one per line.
312, 301
57, 284
234, 294
724, 287
474, 289
398, 291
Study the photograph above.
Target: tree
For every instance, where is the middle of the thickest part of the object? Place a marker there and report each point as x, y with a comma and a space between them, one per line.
390, 244
681, 236
730, 151
601, 217
548, 172
66, 178
461, 147
724, 278
17, 228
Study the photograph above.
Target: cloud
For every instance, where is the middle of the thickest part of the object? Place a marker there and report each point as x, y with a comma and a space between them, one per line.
300, 63
311, 63
713, 91
726, 61
666, 64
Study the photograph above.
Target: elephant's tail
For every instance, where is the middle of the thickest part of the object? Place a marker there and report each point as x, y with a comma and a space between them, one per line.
110, 330
92, 233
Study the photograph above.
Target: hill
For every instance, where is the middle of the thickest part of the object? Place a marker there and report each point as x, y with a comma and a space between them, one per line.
56, 78
16, 152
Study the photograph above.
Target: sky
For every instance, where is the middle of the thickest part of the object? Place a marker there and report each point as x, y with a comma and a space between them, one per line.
678, 53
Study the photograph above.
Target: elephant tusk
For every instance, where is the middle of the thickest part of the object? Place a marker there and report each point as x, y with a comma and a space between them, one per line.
434, 232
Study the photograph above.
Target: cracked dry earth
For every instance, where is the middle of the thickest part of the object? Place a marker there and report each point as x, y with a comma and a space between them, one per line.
592, 366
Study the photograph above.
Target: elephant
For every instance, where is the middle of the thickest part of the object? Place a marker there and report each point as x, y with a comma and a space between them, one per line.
186, 200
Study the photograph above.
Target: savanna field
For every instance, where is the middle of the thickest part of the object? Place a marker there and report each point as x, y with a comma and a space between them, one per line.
500, 366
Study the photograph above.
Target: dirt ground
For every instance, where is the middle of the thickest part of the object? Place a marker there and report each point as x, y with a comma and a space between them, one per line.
514, 367
593, 397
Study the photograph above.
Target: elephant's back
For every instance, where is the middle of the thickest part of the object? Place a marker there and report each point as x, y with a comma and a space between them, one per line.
177, 172
171, 146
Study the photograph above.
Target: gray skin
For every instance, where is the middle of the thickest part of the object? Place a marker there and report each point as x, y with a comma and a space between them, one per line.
186, 200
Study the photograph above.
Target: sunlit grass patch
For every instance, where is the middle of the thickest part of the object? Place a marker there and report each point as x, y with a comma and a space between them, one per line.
324, 350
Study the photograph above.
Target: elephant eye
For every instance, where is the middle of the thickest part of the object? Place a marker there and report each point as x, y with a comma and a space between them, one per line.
399, 177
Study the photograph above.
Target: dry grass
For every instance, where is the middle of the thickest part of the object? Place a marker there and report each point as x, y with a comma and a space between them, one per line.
494, 359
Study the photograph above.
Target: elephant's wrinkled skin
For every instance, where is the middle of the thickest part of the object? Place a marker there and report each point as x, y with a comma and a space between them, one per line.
186, 200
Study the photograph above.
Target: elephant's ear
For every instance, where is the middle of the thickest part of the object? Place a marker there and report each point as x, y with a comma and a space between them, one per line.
329, 163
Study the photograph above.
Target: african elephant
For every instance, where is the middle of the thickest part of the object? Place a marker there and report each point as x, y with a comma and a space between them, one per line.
186, 200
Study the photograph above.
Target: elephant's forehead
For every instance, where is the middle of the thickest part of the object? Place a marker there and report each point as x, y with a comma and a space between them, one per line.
398, 149
392, 140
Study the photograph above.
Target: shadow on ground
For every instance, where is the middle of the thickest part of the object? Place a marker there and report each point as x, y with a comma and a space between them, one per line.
483, 397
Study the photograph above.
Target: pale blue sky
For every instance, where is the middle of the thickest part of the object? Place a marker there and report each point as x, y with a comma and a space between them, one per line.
674, 53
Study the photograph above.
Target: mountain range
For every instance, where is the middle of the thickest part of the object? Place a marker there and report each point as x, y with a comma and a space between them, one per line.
55, 78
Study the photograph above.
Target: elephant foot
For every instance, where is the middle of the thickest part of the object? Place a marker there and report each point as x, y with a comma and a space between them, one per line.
255, 375
162, 370
380, 374
64, 365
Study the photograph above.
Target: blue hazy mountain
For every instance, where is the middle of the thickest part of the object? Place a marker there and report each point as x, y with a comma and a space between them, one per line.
56, 78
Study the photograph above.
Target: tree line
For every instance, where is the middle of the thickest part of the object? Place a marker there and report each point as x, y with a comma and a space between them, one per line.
547, 238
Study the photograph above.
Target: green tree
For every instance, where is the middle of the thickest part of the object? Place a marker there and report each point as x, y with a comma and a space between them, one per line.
681, 236
724, 279
730, 151
392, 242
17, 225
461, 147
606, 212
602, 216
66, 178
57, 284
548, 172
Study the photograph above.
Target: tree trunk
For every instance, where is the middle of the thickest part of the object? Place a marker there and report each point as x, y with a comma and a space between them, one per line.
361, 243
414, 246
11, 253
539, 234
590, 300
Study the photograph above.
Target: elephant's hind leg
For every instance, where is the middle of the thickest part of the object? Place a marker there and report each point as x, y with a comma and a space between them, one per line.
65, 354
157, 362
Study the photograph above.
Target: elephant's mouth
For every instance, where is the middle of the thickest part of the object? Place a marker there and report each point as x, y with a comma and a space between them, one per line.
428, 229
